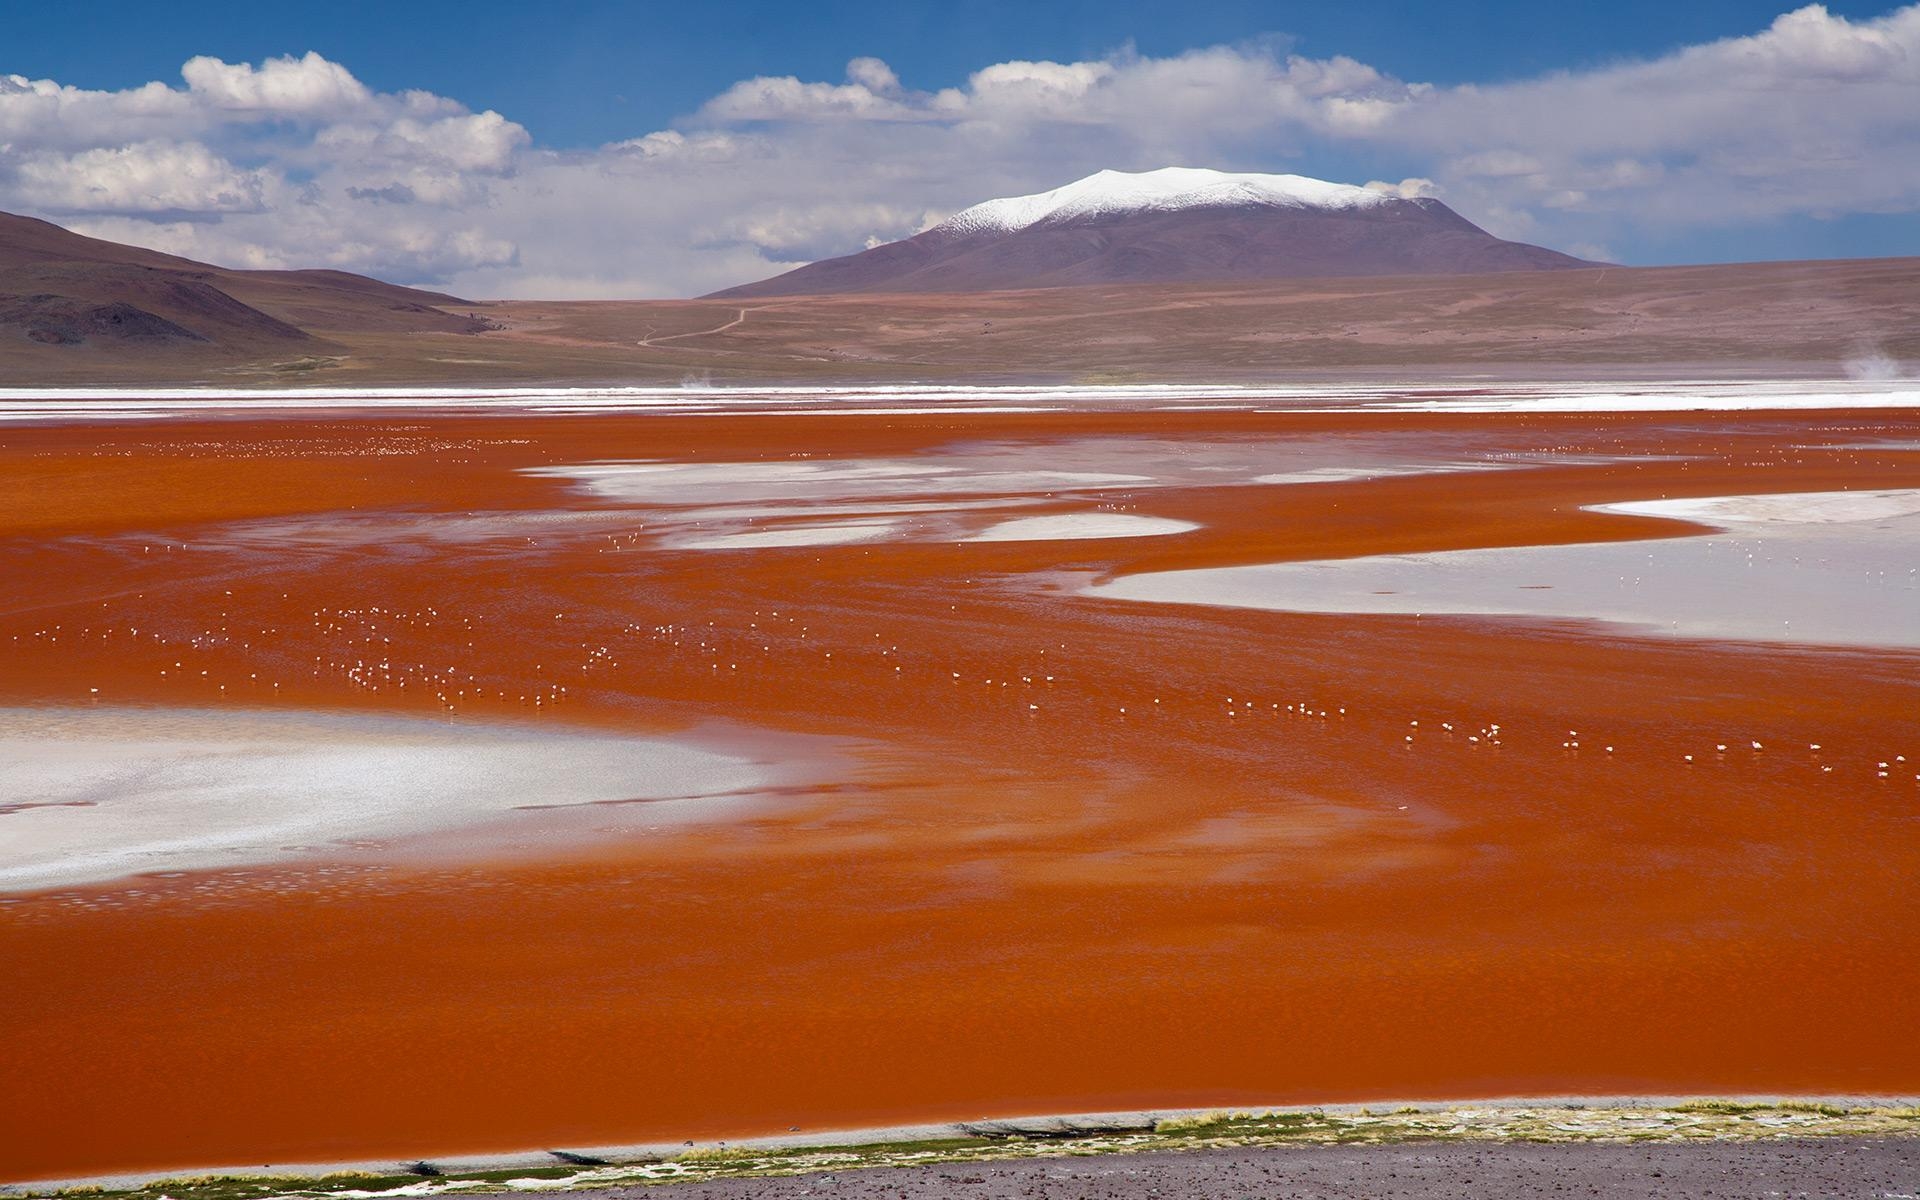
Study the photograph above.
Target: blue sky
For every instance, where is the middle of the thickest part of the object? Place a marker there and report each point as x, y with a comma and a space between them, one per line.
629, 149
580, 74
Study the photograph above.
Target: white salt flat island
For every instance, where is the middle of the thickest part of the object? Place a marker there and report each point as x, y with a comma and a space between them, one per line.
1829, 568
94, 795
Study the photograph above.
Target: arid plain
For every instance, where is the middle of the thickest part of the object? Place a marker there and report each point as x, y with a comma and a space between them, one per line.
1749, 320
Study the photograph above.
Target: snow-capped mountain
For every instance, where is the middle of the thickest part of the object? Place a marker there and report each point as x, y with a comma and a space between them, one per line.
1170, 189
1174, 224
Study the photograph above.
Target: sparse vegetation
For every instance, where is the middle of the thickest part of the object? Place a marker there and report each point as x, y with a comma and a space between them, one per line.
306, 365
714, 1154
1191, 1123
1112, 377
1740, 1108
1803, 1106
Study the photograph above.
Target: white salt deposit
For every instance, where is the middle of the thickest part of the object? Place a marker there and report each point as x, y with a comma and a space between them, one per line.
1578, 398
839, 480
853, 508
1832, 568
100, 794
758, 505
1354, 474
125, 404
1779, 508
1076, 526
826, 501
789, 535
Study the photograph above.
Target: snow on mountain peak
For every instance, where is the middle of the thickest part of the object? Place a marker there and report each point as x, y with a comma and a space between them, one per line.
1165, 190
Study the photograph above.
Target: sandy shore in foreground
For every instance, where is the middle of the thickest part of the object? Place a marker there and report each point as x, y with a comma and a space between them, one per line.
1839, 1169
1047, 1147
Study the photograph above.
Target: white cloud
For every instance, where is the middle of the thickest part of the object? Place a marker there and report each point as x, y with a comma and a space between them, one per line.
280, 87
294, 161
1816, 113
39, 113
804, 234
288, 163
483, 142
869, 94
1024, 91
1203, 91
1406, 189
874, 75
146, 177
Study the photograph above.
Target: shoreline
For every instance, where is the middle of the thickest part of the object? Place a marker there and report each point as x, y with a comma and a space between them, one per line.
1555, 1119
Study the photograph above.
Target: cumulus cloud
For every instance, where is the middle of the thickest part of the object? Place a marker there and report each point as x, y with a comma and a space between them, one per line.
145, 177
1025, 91
294, 161
1406, 189
812, 232
483, 142
289, 162
280, 87
1815, 114
1202, 91
870, 93
43, 114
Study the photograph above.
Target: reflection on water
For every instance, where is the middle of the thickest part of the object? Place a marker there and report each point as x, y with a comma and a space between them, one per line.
1826, 568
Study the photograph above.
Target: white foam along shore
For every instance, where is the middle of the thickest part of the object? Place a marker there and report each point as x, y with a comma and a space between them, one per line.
31, 405
94, 795
1824, 568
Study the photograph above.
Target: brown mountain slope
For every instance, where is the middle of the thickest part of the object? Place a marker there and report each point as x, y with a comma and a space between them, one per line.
1213, 235
61, 291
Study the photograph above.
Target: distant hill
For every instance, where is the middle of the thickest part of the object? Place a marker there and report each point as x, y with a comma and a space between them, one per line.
1173, 225
61, 289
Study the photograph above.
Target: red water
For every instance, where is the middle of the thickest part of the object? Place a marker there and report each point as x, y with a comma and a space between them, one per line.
1003, 909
